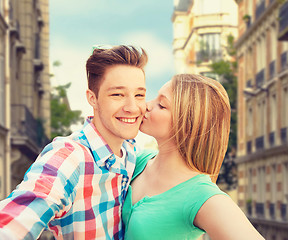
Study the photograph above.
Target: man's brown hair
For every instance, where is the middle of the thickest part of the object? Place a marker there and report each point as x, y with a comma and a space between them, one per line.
101, 59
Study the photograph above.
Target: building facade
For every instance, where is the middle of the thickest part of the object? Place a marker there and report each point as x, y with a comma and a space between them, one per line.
262, 151
3, 100
24, 87
201, 28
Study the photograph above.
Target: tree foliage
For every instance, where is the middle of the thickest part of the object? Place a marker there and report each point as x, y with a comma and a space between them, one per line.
62, 117
226, 70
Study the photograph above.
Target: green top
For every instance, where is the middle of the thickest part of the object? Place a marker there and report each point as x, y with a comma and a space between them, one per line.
169, 215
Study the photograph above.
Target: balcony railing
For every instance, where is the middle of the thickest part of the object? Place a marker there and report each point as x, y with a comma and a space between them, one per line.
272, 210
249, 147
283, 134
260, 9
283, 22
206, 56
284, 62
259, 142
272, 139
26, 126
260, 210
260, 78
272, 69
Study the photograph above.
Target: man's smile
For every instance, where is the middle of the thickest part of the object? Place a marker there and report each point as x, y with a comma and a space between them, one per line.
127, 120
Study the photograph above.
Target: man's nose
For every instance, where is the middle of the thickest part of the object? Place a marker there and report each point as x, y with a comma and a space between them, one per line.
131, 105
148, 106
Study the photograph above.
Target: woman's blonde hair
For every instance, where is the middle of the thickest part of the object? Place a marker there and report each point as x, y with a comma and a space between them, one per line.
201, 122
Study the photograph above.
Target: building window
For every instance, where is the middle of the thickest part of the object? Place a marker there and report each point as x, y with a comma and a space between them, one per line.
285, 182
2, 167
210, 47
1, 7
284, 107
250, 184
250, 64
261, 54
260, 192
273, 113
2, 91
273, 43
249, 193
260, 8
273, 191
285, 192
261, 115
250, 123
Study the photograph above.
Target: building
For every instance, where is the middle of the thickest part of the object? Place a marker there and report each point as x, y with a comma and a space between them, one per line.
262, 151
201, 28
24, 87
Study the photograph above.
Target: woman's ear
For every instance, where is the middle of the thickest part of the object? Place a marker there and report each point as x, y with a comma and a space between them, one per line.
91, 98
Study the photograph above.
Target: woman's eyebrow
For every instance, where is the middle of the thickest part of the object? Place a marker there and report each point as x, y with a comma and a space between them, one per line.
162, 96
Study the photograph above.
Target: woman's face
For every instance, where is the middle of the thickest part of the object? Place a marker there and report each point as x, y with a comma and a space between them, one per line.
157, 121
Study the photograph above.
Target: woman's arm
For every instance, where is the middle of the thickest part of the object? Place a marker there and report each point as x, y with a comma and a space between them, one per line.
222, 219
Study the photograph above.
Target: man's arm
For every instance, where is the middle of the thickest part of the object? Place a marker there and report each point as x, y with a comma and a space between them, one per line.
46, 192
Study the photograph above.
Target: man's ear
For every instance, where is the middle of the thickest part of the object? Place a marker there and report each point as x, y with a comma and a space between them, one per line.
91, 98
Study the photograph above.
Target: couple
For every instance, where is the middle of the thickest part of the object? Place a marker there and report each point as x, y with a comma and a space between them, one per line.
77, 186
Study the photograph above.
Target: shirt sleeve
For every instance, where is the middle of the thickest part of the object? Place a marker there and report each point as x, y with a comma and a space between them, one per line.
198, 195
47, 192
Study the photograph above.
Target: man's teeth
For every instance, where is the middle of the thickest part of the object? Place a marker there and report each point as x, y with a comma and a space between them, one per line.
128, 120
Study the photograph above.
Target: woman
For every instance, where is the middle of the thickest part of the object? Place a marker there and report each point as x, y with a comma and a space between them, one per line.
174, 195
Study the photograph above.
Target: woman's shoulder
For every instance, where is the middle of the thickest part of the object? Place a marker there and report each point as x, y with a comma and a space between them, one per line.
204, 187
201, 190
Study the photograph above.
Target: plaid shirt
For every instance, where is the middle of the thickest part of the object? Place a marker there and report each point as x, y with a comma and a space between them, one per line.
75, 188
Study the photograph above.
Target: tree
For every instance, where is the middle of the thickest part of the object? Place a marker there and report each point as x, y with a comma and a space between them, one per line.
62, 117
226, 70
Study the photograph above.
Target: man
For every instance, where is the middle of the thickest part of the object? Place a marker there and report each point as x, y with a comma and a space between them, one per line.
77, 185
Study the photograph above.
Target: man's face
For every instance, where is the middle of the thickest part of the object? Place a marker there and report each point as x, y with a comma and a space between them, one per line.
120, 105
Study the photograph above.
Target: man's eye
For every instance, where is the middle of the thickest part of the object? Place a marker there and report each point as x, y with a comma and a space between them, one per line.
116, 94
140, 95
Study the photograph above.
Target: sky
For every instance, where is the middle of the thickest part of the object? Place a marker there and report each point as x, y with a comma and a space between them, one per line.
75, 26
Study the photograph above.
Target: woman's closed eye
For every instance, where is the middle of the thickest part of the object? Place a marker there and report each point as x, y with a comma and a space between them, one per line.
161, 106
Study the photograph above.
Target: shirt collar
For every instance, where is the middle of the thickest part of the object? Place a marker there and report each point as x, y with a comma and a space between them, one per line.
101, 151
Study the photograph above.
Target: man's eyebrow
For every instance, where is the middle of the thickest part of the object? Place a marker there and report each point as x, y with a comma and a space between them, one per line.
122, 87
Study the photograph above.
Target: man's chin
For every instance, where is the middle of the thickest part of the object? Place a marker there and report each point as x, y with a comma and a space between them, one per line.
131, 136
